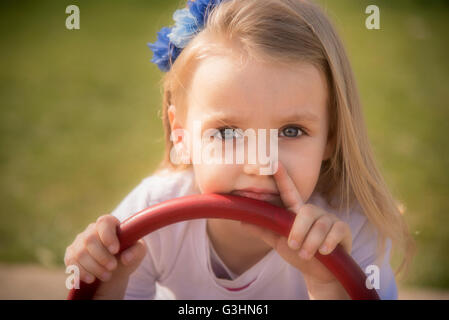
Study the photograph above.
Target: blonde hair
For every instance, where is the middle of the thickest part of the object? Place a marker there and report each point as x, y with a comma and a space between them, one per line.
292, 31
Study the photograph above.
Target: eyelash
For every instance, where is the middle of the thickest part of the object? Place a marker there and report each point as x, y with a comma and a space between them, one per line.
224, 128
303, 131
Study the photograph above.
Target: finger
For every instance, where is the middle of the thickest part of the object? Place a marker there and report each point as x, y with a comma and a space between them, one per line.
302, 225
99, 253
93, 267
70, 260
85, 276
287, 189
133, 254
107, 230
340, 233
68, 256
316, 237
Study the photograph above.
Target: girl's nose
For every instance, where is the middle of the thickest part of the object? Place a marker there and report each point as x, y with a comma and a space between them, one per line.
261, 153
251, 169
260, 168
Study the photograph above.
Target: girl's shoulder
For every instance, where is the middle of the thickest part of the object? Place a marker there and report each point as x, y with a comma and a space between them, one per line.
162, 185
167, 184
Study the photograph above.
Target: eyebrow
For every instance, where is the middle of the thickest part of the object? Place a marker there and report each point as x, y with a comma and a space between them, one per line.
228, 119
301, 116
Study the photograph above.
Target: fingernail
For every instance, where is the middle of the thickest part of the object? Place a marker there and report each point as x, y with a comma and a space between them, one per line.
293, 244
323, 249
112, 248
304, 254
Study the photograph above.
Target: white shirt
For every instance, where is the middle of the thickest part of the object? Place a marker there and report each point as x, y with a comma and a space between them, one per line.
182, 264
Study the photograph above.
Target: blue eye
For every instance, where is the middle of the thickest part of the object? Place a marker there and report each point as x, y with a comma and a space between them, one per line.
291, 132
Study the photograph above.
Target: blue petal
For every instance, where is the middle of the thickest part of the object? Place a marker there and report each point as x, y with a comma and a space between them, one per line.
161, 50
200, 9
170, 41
185, 28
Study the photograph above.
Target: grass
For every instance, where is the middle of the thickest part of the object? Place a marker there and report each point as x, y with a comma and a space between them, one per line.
400, 71
80, 125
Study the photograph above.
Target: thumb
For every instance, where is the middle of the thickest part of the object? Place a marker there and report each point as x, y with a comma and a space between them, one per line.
132, 257
129, 260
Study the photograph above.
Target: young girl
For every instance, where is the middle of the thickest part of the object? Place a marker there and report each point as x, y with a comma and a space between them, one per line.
254, 64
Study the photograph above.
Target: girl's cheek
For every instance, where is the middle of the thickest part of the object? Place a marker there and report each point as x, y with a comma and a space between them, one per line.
214, 178
304, 169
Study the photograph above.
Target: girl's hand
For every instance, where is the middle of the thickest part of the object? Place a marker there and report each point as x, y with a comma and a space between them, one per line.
93, 252
313, 230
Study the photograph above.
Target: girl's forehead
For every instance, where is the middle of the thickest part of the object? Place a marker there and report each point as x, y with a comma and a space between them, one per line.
222, 84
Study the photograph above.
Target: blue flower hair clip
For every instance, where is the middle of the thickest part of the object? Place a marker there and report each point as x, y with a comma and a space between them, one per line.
171, 40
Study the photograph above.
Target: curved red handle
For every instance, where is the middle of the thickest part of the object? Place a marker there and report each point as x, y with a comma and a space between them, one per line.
226, 206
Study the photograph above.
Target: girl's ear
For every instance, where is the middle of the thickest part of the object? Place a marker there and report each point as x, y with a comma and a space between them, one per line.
179, 138
172, 118
171, 111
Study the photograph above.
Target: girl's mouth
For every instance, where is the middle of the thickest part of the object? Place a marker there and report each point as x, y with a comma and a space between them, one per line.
272, 198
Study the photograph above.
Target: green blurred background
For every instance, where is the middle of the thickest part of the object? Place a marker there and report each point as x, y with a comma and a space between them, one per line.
80, 122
